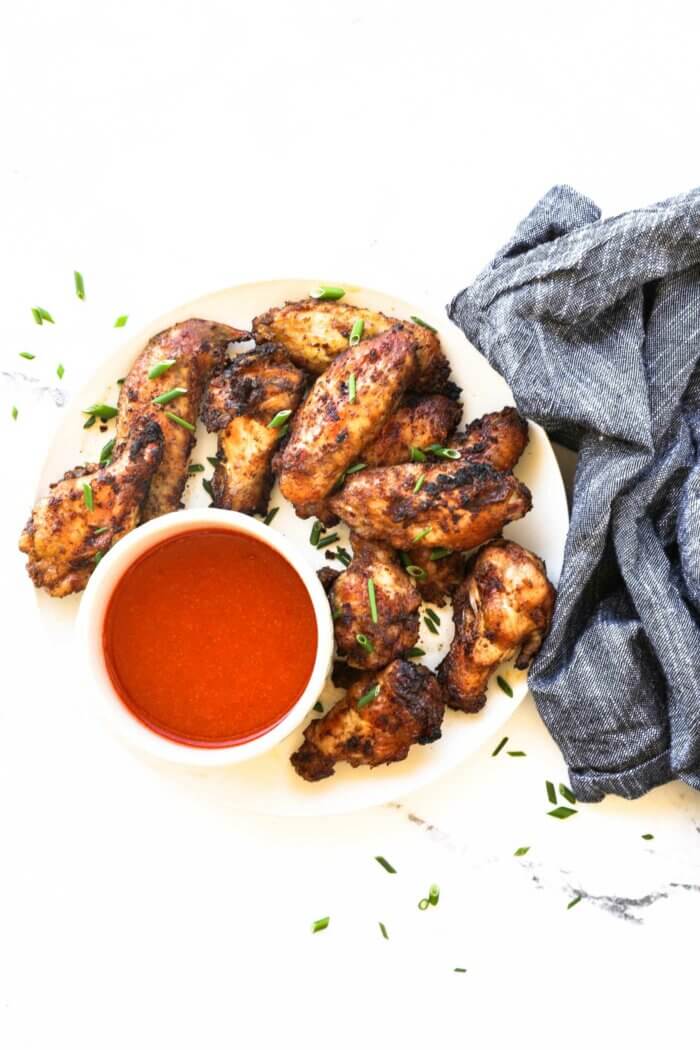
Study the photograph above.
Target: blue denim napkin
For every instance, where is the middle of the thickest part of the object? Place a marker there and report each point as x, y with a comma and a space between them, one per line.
595, 324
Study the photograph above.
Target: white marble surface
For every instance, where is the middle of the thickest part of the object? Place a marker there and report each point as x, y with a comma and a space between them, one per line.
169, 149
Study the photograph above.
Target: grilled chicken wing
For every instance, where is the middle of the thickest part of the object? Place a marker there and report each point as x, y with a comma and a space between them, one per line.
504, 606
457, 505
196, 348
240, 404
498, 439
313, 333
397, 604
329, 430
417, 423
408, 710
87, 511
443, 571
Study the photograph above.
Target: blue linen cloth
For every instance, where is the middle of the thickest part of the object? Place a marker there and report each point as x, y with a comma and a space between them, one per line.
595, 325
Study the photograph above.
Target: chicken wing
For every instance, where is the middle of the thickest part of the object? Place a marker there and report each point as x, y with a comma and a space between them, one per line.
417, 423
346, 407
498, 439
441, 572
87, 511
408, 709
240, 404
503, 607
397, 602
457, 505
313, 333
195, 347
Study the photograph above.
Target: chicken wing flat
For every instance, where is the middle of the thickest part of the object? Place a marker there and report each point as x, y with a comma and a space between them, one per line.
457, 505
240, 403
503, 607
345, 409
498, 439
195, 347
407, 710
443, 571
375, 566
313, 333
87, 511
417, 423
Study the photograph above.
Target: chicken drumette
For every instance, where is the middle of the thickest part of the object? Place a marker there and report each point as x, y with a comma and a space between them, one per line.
419, 421
498, 439
379, 719
503, 607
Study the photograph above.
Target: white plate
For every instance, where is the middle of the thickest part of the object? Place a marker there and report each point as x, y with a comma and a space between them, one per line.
268, 784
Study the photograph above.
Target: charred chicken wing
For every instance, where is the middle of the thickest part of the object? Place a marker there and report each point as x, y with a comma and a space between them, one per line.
417, 423
503, 607
498, 439
407, 709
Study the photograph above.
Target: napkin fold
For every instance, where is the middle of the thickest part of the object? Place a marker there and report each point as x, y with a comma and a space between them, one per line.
595, 325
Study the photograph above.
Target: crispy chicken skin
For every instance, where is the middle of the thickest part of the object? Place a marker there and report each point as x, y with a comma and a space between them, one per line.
62, 536
408, 710
503, 607
498, 439
397, 601
461, 504
329, 430
442, 575
313, 333
417, 422
240, 403
197, 348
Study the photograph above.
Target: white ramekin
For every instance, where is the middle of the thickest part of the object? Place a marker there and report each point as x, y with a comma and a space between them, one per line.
90, 624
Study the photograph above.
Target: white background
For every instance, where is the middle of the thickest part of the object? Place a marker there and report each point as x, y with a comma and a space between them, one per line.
168, 149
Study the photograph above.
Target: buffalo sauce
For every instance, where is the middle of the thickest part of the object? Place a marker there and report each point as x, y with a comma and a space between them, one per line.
210, 637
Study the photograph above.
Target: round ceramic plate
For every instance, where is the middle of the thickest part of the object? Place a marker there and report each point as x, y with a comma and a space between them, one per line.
268, 784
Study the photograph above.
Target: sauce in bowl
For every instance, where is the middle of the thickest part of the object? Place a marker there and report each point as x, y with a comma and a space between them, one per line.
210, 637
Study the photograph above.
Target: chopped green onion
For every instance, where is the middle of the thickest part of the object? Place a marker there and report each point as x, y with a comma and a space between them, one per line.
342, 555
318, 706
355, 469
283, 431
98, 557
434, 894
382, 927
421, 535
316, 529
504, 685
357, 330
418, 485
121, 320
417, 456
567, 793
442, 452
170, 395
195, 468
414, 652
327, 540
27, 356
121, 380
180, 421
90, 422
206, 485
40, 315
214, 461
432, 615
423, 904
352, 388
279, 419
87, 495
416, 572
336, 614
574, 902
320, 924
160, 368
106, 453
15, 411
422, 323
499, 747
369, 696
430, 625
103, 412
363, 641
374, 614
521, 851
438, 553
79, 284
648, 836
270, 516
103, 528
386, 865
562, 812
551, 792
459, 969
60, 371
329, 292
517, 754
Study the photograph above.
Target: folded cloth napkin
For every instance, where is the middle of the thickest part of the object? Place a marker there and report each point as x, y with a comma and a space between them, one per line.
595, 324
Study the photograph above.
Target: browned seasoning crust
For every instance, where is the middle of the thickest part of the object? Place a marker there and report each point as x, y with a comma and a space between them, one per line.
442, 577
419, 421
239, 404
503, 607
498, 438
408, 710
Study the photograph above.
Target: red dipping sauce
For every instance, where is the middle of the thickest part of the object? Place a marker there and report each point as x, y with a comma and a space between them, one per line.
210, 638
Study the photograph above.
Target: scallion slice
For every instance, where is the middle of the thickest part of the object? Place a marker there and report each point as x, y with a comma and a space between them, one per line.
430, 625
414, 652
103, 528
434, 894
279, 419
207, 486
87, 495
574, 902
424, 904
214, 461
357, 330
647, 837
505, 686
316, 530
567, 793
421, 535
386, 865
40, 315
15, 411
270, 516
517, 754
499, 747
443, 453
438, 553
432, 615
343, 556
103, 412
121, 320
422, 323
562, 813
98, 557
372, 600
328, 292
327, 540
352, 388
162, 367
180, 421
89, 422
27, 356
195, 468
79, 284
60, 371
369, 696
382, 927
364, 642
551, 792
418, 485
416, 572
521, 851
318, 706
320, 924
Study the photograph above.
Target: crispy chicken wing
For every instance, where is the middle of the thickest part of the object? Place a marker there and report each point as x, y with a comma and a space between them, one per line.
503, 607
417, 422
397, 604
457, 505
408, 710
196, 348
240, 404
336, 422
443, 572
498, 439
87, 511
313, 333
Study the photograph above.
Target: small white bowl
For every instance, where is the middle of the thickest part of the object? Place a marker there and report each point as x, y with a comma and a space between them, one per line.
90, 625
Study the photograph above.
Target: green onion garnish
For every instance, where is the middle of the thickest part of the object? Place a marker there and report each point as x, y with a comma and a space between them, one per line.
279, 419
567, 793
27, 356
40, 315
316, 529
422, 323
106, 453
369, 696
438, 553
443, 453
419, 484
372, 600
352, 388
363, 641
416, 572
336, 614
103, 528
459, 969
87, 495
214, 461
270, 516
329, 292
180, 421
382, 927
103, 412
318, 706
121, 380
195, 468
521, 851
414, 652
168, 396
98, 557
90, 422
386, 865
355, 469
647, 837
434, 894
327, 540
504, 685
206, 485
79, 284
320, 924
60, 371
424, 904
551, 792
432, 615
357, 330
342, 555
499, 747
430, 625
562, 812
517, 754
121, 320
417, 456
160, 368
421, 535
574, 902
15, 411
